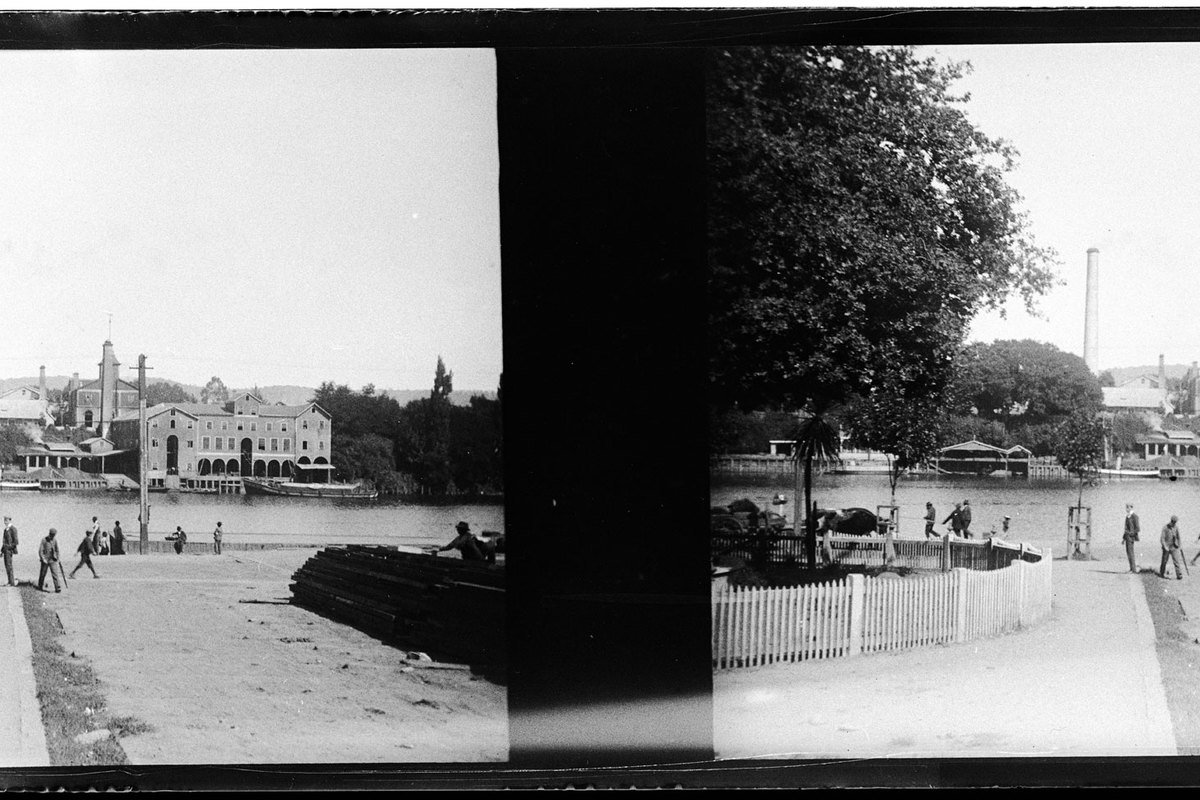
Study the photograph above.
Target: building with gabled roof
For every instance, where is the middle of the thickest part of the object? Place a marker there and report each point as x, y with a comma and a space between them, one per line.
244, 437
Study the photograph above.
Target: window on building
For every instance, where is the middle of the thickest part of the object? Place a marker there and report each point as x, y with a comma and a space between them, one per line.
268, 427
274, 445
320, 445
154, 442
304, 445
191, 442
253, 426
154, 424
217, 442
287, 445
224, 426
304, 424
262, 444
204, 442
172, 412
321, 425
208, 425
189, 426
172, 421
232, 446
283, 427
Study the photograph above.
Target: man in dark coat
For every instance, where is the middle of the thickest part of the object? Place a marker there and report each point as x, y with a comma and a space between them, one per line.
965, 519
48, 555
9, 549
1130, 537
464, 542
85, 551
955, 519
930, 518
1171, 549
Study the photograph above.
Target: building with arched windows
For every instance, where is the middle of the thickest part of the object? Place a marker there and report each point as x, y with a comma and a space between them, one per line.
196, 443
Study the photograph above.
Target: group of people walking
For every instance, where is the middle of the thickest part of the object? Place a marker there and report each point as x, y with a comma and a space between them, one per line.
94, 542
959, 519
1170, 542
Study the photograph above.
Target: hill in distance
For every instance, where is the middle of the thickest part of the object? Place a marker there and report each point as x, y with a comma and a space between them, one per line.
287, 394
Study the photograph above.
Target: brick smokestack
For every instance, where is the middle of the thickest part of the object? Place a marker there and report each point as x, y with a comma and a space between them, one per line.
1091, 319
42, 383
1162, 373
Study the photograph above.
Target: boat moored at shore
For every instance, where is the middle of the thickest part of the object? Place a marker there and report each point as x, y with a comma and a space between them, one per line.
270, 486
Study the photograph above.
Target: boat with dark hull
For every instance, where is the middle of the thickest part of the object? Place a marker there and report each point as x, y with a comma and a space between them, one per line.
270, 486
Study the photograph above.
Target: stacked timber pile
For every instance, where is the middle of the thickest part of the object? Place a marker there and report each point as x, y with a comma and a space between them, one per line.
446, 606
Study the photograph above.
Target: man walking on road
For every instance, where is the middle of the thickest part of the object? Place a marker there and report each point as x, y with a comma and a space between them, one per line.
930, 518
217, 536
965, 517
1170, 549
1132, 529
955, 519
48, 555
85, 551
9, 549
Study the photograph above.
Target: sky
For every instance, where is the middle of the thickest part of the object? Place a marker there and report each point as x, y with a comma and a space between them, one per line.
265, 216
1107, 135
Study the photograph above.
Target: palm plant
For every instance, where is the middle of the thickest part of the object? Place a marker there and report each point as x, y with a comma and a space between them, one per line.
816, 440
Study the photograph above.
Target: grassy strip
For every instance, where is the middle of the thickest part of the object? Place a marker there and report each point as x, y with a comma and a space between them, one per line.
1179, 662
70, 695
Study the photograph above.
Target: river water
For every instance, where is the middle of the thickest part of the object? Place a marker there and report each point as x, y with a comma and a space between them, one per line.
1038, 507
247, 518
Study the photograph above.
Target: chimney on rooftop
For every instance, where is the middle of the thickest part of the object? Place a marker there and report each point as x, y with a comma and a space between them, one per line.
42, 383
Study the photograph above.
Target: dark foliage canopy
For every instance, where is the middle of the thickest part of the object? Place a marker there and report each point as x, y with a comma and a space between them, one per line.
857, 221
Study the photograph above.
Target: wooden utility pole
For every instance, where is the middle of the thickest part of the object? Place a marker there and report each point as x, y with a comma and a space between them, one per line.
144, 506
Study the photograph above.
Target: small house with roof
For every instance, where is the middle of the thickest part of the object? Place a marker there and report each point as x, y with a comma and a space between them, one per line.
980, 458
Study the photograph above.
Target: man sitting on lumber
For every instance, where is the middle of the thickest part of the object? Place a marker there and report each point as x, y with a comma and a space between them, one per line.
464, 543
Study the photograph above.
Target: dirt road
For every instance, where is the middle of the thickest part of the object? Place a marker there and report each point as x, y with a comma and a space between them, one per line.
208, 652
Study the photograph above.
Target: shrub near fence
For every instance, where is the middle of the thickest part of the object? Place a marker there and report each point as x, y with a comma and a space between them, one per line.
753, 626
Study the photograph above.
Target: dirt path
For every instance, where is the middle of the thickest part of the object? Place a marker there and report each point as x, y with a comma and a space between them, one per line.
1086, 683
224, 681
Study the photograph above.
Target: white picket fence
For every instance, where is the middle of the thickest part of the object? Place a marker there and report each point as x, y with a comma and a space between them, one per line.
752, 626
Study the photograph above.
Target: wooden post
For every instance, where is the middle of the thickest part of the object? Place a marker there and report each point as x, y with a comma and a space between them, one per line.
961, 576
857, 606
946, 553
143, 455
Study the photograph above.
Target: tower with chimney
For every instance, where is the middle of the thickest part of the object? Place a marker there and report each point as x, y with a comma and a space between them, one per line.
1091, 319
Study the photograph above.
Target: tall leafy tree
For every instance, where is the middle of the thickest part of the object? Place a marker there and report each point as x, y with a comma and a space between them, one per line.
167, 392
903, 423
856, 218
1080, 446
12, 439
1025, 381
214, 392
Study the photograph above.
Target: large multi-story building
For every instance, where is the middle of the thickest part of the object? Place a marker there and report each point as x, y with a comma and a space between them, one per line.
97, 403
243, 437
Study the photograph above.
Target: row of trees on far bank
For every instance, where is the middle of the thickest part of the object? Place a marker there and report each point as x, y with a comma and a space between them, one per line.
427, 446
1004, 393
